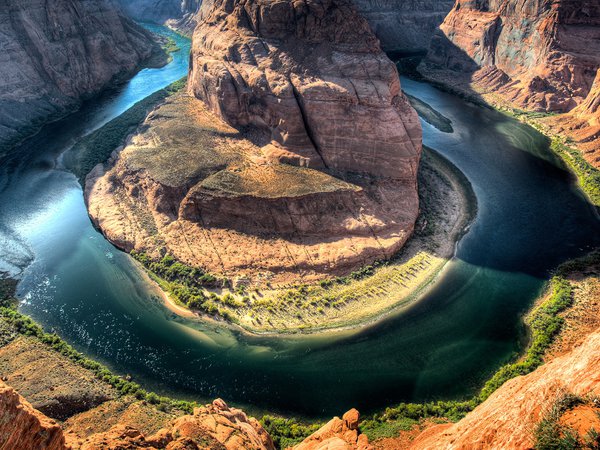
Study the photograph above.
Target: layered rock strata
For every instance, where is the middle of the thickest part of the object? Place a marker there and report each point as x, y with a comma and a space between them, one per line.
56, 53
541, 55
404, 26
582, 124
294, 154
509, 417
339, 434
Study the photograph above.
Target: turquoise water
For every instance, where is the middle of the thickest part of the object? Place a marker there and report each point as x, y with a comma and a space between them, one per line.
531, 217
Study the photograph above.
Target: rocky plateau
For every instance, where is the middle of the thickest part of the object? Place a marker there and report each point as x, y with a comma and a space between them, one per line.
293, 154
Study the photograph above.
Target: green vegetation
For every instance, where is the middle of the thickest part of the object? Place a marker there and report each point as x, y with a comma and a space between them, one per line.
187, 285
170, 45
588, 176
545, 323
96, 147
287, 432
550, 434
25, 326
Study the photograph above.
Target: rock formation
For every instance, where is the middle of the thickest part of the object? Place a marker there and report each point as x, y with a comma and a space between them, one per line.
404, 26
179, 14
305, 164
22, 427
215, 426
582, 124
508, 418
540, 55
56, 53
338, 434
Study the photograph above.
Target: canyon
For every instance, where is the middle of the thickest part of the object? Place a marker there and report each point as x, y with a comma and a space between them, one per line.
56, 54
404, 26
178, 14
303, 116
541, 56
292, 110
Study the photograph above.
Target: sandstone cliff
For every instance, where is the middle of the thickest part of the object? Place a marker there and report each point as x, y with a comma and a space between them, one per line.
582, 124
404, 26
509, 417
56, 53
295, 154
22, 427
179, 14
338, 434
541, 55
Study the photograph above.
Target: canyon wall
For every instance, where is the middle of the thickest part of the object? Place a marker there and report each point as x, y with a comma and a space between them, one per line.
294, 143
509, 417
56, 53
404, 26
540, 55
22, 427
179, 14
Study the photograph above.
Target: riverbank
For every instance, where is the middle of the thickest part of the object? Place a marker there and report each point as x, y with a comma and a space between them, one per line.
588, 176
559, 320
352, 302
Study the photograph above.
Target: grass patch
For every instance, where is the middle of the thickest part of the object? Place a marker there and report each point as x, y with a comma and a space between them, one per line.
550, 434
287, 432
96, 147
587, 175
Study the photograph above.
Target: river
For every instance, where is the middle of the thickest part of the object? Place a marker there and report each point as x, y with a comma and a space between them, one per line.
531, 218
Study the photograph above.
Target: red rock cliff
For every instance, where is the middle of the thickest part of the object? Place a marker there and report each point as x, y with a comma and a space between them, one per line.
312, 76
536, 54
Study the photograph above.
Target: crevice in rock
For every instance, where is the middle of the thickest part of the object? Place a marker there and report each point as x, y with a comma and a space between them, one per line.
307, 127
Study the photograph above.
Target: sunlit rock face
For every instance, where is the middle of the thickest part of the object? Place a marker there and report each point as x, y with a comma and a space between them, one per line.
541, 55
301, 152
57, 52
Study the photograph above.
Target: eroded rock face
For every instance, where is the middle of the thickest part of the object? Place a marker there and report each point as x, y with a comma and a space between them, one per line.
338, 434
582, 124
541, 55
407, 25
22, 427
507, 419
312, 76
57, 52
294, 154
215, 426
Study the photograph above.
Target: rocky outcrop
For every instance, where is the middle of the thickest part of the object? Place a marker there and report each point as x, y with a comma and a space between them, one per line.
582, 124
22, 427
56, 53
215, 426
404, 26
539, 55
338, 434
508, 418
308, 156
179, 14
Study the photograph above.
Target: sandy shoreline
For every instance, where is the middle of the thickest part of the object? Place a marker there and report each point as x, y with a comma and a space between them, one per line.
391, 289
